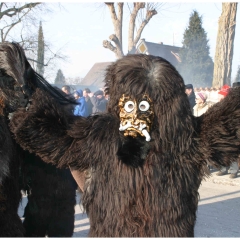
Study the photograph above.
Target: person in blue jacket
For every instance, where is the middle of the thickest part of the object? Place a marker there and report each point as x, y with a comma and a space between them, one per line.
81, 108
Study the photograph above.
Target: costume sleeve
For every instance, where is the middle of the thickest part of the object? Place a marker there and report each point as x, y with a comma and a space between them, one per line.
219, 130
65, 141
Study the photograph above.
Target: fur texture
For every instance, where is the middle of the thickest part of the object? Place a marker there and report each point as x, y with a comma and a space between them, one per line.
133, 151
51, 199
51, 191
10, 158
11, 155
130, 193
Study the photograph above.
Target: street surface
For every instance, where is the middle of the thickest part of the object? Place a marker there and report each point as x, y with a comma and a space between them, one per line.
218, 212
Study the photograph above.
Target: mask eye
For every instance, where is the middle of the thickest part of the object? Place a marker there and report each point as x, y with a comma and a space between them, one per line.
129, 106
144, 106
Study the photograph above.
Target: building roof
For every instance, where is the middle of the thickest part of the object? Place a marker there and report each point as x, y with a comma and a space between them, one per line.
170, 53
95, 76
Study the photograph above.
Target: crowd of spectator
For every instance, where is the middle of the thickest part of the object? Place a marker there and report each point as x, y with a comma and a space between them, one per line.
204, 98
87, 102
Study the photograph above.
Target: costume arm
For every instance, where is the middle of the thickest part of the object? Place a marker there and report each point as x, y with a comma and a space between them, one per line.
43, 130
63, 140
219, 130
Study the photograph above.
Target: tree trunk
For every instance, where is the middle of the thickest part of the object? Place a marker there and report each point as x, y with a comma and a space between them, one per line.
132, 42
137, 7
224, 45
117, 23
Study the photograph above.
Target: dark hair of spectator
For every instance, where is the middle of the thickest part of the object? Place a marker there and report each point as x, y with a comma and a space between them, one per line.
87, 90
66, 87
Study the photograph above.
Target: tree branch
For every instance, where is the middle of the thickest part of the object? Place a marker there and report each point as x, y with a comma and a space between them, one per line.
37, 61
115, 39
109, 45
149, 15
4, 35
137, 7
117, 24
118, 31
13, 24
1, 6
13, 11
112, 11
120, 11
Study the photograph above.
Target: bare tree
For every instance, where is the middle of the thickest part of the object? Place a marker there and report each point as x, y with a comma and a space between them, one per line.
73, 81
19, 23
224, 45
117, 20
13, 13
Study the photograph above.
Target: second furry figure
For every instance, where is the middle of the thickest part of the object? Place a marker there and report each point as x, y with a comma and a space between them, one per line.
51, 191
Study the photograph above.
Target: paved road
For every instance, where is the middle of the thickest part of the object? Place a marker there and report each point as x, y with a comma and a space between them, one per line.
218, 212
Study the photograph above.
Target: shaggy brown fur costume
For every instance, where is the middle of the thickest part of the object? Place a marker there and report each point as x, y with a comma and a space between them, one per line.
51, 191
137, 188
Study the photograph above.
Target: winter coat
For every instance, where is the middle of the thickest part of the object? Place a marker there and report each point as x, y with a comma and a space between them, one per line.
199, 109
81, 108
99, 105
191, 99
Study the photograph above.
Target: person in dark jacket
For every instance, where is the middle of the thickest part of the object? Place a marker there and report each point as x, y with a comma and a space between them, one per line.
191, 95
99, 102
86, 92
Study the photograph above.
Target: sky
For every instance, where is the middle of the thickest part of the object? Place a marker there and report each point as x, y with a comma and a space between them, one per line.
79, 28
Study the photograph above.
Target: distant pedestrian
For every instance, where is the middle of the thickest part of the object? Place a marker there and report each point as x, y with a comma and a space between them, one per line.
223, 92
66, 89
201, 104
191, 95
99, 102
81, 108
89, 104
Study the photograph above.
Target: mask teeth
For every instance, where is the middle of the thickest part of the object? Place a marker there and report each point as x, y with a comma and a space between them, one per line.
123, 128
141, 128
146, 135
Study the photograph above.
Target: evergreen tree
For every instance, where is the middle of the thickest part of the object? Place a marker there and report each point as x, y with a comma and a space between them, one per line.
197, 65
237, 78
40, 59
60, 79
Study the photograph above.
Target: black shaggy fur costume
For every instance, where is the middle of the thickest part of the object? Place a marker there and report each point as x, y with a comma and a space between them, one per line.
51, 191
136, 188
10, 196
